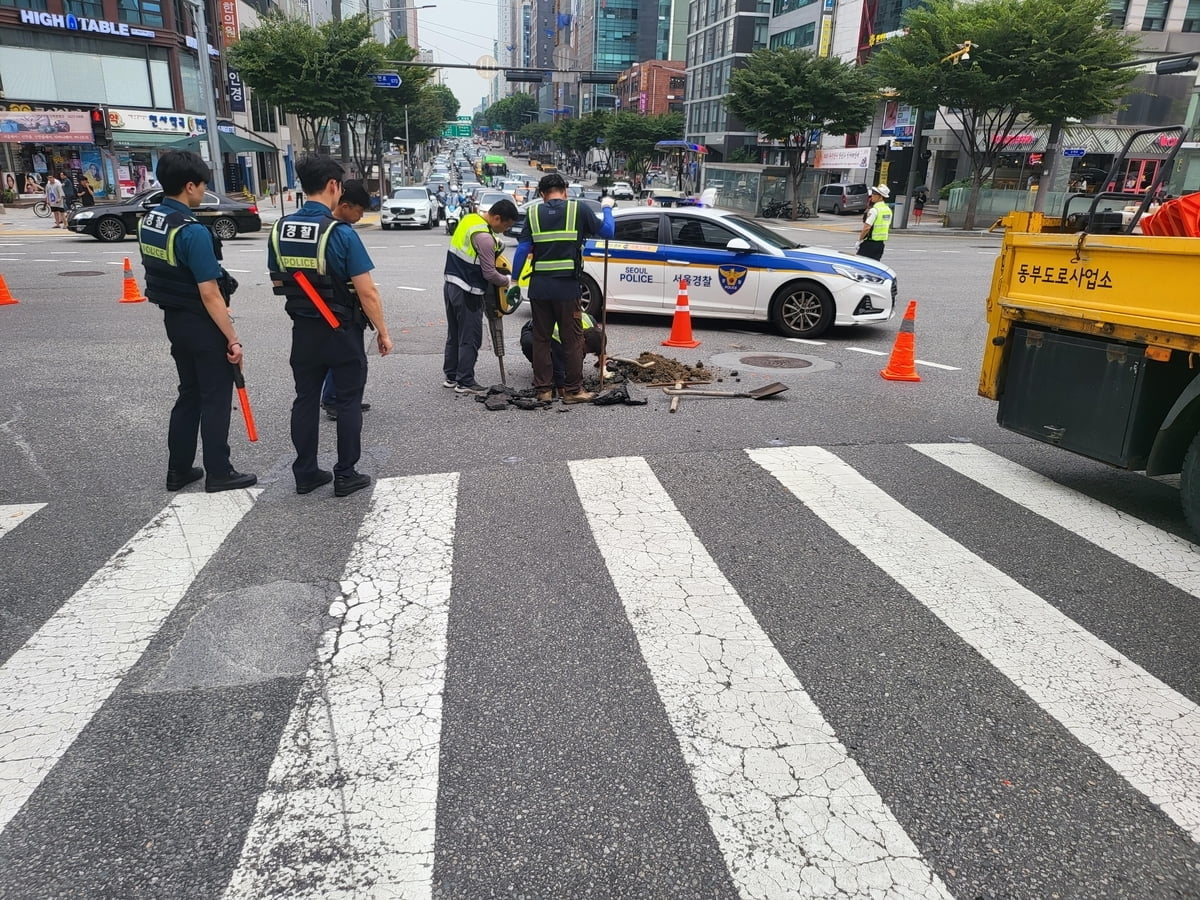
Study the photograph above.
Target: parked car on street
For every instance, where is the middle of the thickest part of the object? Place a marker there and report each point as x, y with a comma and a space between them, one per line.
226, 217
621, 190
843, 198
735, 268
410, 206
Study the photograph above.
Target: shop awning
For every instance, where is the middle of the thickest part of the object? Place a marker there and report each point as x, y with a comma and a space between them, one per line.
230, 143
135, 139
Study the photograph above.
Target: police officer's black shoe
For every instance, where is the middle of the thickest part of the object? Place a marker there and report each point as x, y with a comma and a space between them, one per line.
177, 480
230, 482
307, 487
345, 485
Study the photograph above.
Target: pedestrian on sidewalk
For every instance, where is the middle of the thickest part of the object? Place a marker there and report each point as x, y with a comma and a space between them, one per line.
919, 202
56, 200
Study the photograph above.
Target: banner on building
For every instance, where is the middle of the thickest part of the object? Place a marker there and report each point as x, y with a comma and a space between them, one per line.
842, 158
237, 91
229, 21
45, 127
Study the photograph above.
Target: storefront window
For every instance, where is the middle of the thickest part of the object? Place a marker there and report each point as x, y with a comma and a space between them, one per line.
39, 5
141, 12
50, 67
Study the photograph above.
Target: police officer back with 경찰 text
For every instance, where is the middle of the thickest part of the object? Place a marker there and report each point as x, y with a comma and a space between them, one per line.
333, 259
184, 277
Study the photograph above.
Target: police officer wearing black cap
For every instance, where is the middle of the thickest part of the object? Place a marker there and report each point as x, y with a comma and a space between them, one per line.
184, 277
333, 259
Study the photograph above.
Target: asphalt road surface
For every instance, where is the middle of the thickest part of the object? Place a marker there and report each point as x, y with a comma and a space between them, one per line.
852, 641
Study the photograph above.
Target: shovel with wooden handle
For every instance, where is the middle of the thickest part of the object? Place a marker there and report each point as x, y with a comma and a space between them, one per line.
767, 390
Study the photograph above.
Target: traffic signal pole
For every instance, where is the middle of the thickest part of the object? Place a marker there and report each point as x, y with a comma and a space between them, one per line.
210, 99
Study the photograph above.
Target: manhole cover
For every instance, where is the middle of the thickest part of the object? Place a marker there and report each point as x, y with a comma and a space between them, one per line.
80, 273
775, 362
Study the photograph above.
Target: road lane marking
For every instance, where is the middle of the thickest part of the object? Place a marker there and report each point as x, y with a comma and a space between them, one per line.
865, 350
1148, 733
14, 514
53, 685
806, 341
790, 809
349, 808
1171, 558
922, 362
405, 287
240, 271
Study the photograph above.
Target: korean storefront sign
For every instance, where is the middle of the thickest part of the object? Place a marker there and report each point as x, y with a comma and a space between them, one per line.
229, 21
82, 23
843, 158
45, 127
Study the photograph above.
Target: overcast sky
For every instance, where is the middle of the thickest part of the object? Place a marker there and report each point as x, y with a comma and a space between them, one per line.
459, 31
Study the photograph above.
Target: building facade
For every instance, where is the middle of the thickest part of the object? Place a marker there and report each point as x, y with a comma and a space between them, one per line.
652, 88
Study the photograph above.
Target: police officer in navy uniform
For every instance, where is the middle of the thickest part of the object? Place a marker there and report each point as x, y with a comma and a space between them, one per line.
333, 259
185, 278
555, 230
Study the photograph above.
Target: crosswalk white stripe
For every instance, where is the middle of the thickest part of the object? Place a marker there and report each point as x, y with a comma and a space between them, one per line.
1171, 558
350, 802
14, 514
792, 812
1148, 733
53, 685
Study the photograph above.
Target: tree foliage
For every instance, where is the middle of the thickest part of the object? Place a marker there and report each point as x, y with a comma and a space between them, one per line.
536, 133
314, 73
633, 136
511, 113
788, 95
383, 115
1038, 61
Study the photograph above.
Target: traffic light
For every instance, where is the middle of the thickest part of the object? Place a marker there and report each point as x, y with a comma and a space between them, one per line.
101, 127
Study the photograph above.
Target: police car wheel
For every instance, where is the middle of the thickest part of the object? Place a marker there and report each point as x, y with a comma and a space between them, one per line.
802, 309
590, 298
224, 228
110, 229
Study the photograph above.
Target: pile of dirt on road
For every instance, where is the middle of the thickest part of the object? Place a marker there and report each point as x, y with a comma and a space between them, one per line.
662, 368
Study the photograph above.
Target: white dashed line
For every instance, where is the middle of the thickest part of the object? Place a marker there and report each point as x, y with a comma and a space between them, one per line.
240, 271
405, 287
806, 341
865, 350
350, 805
1147, 732
52, 686
791, 810
14, 514
922, 362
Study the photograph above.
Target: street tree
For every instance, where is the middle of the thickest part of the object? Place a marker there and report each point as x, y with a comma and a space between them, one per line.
314, 73
383, 115
791, 96
1030, 61
535, 134
633, 136
511, 113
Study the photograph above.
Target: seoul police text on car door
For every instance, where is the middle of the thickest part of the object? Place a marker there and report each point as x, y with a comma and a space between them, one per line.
719, 280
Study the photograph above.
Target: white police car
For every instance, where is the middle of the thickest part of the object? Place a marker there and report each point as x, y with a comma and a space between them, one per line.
734, 269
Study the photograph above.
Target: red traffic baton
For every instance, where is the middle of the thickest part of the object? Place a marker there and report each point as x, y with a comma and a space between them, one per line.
322, 307
244, 399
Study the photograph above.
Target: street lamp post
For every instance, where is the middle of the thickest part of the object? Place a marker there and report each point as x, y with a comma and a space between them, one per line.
210, 100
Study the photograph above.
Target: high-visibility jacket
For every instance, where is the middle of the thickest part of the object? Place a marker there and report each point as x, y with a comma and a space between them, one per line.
462, 259
300, 244
168, 283
585, 321
553, 229
883, 222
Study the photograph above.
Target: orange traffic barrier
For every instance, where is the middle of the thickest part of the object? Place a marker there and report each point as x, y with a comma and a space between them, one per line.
902, 365
6, 298
681, 325
131, 293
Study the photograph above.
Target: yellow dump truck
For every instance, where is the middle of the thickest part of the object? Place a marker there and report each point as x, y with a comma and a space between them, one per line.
1094, 346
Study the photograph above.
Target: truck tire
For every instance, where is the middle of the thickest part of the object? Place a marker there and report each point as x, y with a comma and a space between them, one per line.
1189, 485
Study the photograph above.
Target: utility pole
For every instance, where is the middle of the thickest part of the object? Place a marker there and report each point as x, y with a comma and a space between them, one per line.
210, 99
408, 154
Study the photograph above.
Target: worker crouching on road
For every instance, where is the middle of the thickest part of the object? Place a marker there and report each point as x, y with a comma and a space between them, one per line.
469, 274
184, 277
554, 234
331, 256
593, 342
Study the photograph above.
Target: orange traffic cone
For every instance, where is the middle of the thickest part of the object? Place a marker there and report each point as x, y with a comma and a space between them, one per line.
6, 298
902, 365
681, 326
132, 293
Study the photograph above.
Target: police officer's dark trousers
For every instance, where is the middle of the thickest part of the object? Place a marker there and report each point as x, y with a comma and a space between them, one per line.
205, 393
871, 249
317, 349
464, 333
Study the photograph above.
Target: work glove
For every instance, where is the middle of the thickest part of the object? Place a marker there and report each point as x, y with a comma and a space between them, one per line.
514, 295
608, 201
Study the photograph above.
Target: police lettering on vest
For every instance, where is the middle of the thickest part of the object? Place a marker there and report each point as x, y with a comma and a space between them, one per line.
300, 245
555, 240
462, 259
169, 284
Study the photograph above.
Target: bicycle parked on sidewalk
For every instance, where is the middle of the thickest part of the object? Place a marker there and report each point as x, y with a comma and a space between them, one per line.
782, 209
41, 208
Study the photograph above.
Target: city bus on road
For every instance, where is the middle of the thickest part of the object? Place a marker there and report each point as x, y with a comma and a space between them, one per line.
492, 167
